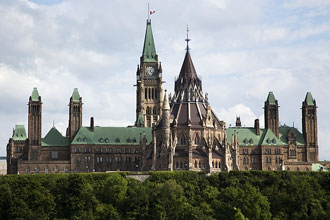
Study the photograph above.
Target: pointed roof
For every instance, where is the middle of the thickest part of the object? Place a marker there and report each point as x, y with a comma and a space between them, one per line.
35, 95
271, 139
139, 121
188, 69
19, 133
54, 139
149, 50
309, 99
75, 95
166, 104
271, 98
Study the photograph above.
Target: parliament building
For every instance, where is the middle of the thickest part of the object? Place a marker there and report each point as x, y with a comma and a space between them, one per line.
178, 132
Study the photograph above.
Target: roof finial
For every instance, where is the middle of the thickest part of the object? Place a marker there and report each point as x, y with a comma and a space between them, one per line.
148, 12
187, 39
53, 123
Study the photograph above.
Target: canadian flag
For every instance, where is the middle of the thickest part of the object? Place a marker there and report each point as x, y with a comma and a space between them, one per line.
152, 12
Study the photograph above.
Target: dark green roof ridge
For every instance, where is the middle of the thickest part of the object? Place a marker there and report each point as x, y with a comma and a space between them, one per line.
309, 99
75, 95
35, 95
149, 50
271, 98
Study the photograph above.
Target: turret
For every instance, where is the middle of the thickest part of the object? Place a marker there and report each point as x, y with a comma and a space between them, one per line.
34, 118
271, 114
309, 127
75, 114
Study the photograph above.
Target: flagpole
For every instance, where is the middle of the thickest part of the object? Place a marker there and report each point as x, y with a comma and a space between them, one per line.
148, 12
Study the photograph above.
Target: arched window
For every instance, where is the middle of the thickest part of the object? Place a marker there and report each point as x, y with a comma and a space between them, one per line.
197, 139
181, 164
199, 164
216, 164
154, 112
213, 164
153, 93
177, 164
156, 93
149, 93
145, 93
148, 111
183, 139
195, 163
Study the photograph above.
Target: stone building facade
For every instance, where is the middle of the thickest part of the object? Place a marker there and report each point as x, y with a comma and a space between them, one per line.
171, 132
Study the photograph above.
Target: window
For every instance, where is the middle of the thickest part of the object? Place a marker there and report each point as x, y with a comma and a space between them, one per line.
181, 164
268, 160
212, 164
251, 141
268, 151
292, 152
148, 111
245, 151
195, 163
277, 151
27, 170
97, 160
199, 164
177, 164
245, 160
183, 139
145, 93
253, 160
154, 111
196, 139
56, 169
54, 155
274, 141
46, 170
216, 164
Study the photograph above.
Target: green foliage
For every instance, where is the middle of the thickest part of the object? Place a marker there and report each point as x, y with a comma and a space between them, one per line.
167, 195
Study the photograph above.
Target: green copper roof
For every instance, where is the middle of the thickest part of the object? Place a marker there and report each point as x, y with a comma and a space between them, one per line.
19, 133
309, 99
284, 131
139, 121
247, 137
112, 135
271, 98
75, 95
271, 139
149, 50
54, 139
35, 95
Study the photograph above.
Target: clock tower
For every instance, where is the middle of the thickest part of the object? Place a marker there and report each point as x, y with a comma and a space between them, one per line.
149, 92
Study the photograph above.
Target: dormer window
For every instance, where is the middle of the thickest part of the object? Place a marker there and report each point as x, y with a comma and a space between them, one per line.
274, 141
251, 141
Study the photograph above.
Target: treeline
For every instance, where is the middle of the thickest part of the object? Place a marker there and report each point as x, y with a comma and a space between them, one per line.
167, 195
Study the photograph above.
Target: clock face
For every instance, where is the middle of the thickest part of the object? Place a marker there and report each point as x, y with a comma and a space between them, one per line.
150, 70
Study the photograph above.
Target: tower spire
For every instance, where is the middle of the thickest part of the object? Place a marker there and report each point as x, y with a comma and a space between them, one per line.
187, 39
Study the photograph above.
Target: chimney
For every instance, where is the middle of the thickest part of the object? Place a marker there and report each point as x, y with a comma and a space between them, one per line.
257, 126
92, 124
238, 121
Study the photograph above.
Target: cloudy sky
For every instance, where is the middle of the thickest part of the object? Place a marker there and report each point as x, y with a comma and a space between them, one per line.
241, 49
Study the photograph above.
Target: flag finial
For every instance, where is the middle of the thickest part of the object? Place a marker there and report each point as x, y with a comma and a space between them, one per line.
187, 39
